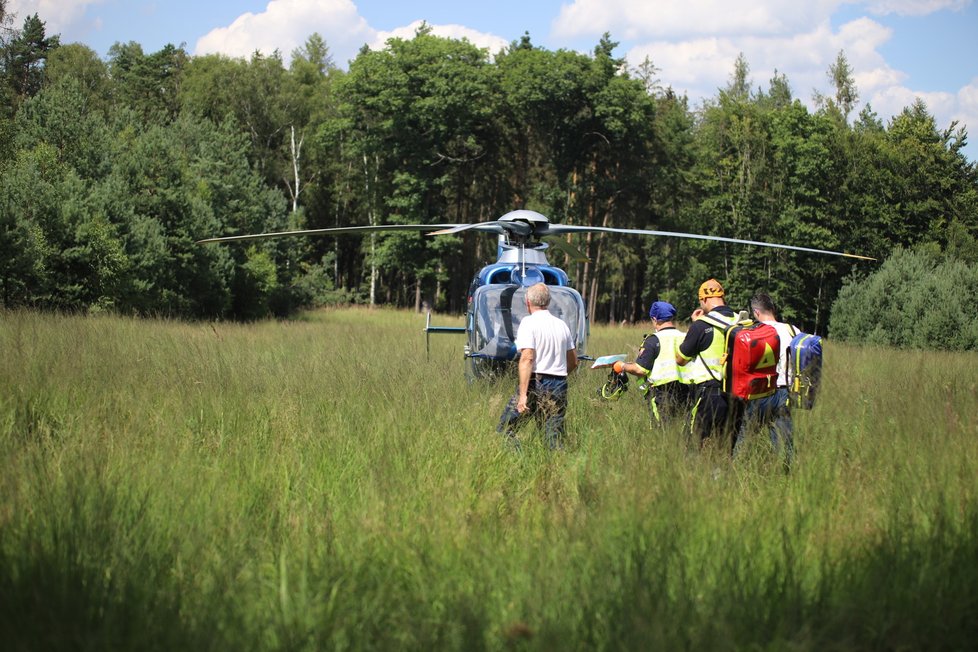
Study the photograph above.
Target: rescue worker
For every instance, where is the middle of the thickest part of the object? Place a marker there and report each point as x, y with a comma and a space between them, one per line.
713, 413
548, 353
668, 387
774, 410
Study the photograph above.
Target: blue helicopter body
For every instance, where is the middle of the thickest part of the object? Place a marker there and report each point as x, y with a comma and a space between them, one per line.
496, 306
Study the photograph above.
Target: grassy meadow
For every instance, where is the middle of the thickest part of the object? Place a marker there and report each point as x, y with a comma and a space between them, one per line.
320, 484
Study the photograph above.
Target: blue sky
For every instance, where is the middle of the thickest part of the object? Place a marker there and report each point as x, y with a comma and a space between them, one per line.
899, 49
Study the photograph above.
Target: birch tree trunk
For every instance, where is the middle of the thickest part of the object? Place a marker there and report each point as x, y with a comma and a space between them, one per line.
296, 154
372, 221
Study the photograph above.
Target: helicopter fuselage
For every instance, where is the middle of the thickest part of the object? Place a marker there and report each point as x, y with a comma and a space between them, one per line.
495, 307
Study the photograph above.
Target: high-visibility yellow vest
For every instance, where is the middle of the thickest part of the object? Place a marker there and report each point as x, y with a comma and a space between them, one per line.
664, 369
715, 356
695, 372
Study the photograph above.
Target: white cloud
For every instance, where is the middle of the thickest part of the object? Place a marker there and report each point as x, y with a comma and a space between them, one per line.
636, 19
965, 112
490, 42
914, 7
58, 15
286, 24
968, 101
649, 19
701, 66
946, 107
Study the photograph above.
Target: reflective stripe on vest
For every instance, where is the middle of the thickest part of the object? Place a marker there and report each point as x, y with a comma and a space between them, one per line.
695, 372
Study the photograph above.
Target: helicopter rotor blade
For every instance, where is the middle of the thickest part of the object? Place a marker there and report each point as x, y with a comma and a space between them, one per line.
493, 227
555, 229
575, 254
496, 226
522, 229
330, 231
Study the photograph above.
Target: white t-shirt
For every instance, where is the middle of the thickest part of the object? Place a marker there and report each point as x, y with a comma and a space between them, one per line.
785, 333
549, 338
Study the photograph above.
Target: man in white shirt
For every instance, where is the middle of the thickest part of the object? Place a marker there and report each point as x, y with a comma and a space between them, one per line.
548, 353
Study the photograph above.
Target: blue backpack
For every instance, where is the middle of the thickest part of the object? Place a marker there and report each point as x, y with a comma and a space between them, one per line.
804, 370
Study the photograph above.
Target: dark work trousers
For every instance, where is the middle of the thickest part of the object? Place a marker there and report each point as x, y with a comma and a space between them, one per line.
546, 402
669, 403
715, 413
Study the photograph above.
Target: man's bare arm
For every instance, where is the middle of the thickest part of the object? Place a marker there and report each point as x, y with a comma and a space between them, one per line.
527, 356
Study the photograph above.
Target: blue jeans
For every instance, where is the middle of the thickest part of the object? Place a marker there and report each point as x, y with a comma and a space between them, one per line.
546, 401
771, 411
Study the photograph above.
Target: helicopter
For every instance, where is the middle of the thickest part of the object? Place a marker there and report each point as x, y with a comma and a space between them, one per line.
495, 301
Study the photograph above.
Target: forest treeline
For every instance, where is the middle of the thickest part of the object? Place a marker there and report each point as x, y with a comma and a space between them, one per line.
111, 169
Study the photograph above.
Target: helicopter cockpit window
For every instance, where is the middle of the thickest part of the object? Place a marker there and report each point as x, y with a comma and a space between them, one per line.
526, 277
500, 308
515, 275
566, 305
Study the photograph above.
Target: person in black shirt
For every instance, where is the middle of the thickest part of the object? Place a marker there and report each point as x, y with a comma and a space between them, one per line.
713, 411
667, 388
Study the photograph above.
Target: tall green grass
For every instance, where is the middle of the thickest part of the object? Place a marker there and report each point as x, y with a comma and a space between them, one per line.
321, 484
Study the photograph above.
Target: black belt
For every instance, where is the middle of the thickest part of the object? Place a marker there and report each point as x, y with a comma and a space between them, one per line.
548, 377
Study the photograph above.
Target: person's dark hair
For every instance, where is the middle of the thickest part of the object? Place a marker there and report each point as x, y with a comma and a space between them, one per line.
762, 302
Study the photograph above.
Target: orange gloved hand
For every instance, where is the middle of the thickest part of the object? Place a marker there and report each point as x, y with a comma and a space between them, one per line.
618, 367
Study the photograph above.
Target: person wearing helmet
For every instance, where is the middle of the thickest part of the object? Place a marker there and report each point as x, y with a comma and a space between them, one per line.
713, 412
667, 382
548, 353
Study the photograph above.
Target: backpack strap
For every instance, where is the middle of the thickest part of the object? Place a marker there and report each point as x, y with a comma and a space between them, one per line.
707, 367
719, 323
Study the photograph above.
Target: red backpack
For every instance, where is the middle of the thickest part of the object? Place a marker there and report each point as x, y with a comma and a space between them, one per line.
750, 368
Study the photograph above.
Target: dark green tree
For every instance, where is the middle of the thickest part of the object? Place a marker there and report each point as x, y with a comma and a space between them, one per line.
415, 121
23, 54
82, 65
65, 116
846, 95
313, 73
24, 57
580, 147
934, 182
266, 101
913, 300
147, 84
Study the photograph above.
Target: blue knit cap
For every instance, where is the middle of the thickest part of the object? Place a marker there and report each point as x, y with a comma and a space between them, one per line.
662, 311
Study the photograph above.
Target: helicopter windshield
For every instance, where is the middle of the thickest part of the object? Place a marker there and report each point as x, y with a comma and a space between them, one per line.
498, 310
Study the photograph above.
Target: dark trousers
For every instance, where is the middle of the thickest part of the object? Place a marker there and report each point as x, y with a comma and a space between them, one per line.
546, 402
669, 402
715, 413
